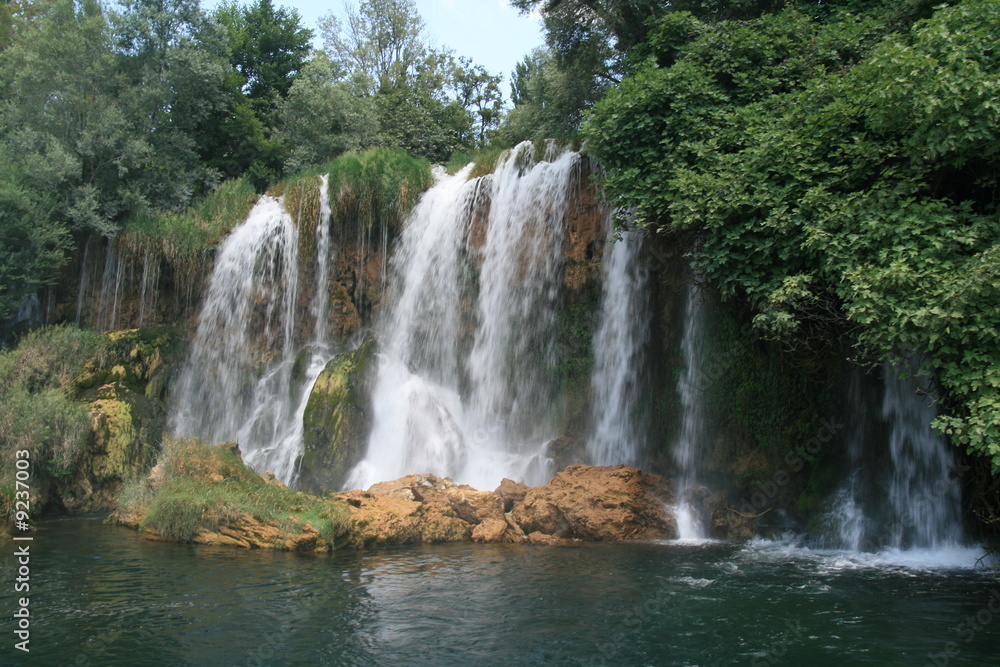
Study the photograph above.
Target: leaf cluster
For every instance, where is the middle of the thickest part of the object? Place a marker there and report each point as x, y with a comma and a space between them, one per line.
841, 169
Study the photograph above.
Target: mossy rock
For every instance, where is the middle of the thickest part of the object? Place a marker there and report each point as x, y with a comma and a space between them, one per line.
140, 359
125, 426
337, 419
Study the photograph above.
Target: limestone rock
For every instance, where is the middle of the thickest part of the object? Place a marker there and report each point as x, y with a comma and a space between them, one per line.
511, 492
393, 519
599, 503
337, 420
494, 531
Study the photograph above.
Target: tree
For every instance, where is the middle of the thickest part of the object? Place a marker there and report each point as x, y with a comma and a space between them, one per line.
382, 43
62, 122
549, 99
267, 47
323, 116
426, 102
622, 22
32, 241
479, 93
174, 67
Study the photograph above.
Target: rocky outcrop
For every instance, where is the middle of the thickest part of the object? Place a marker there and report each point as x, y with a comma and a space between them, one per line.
337, 419
122, 387
599, 503
593, 503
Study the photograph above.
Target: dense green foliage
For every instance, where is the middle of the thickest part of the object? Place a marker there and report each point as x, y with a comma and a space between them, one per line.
122, 114
842, 170
37, 411
205, 486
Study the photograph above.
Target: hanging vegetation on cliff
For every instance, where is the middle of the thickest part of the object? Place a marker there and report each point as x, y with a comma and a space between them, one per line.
841, 165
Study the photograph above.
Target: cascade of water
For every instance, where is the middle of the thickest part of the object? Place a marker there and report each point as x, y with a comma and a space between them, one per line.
416, 412
909, 502
925, 502
106, 317
248, 313
689, 386
149, 288
286, 436
618, 350
476, 414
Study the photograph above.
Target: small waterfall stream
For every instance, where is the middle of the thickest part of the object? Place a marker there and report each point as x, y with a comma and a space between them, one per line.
690, 525
619, 346
246, 379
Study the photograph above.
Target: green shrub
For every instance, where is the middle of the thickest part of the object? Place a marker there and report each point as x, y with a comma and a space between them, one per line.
200, 485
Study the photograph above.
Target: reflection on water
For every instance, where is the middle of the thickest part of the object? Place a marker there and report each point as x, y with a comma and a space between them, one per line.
100, 596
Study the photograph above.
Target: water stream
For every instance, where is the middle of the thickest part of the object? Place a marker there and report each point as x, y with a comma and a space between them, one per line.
247, 378
619, 349
467, 368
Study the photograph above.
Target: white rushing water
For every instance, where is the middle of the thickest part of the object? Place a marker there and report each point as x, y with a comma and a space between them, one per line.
466, 374
246, 379
619, 346
690, 524
924, 496
911, 502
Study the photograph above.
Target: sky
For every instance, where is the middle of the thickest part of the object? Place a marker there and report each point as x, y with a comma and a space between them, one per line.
491, 32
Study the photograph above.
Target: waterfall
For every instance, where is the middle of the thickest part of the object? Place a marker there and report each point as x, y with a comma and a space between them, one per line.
466, 376
909, 501
689, 387
245, 377
618, 353
149, 288
924, 501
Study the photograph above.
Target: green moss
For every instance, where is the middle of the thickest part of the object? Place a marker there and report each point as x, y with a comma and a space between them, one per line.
207, 486
337, 419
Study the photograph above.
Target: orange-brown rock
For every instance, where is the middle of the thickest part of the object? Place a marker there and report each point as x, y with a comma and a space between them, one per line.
511, 492
395, 519
599, 503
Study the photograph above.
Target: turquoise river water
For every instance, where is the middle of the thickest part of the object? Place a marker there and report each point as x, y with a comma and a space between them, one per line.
101, 596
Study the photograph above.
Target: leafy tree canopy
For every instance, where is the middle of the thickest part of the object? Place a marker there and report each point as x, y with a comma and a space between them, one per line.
841, 169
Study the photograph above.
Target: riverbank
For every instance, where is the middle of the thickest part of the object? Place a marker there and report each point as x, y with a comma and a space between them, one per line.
205, 494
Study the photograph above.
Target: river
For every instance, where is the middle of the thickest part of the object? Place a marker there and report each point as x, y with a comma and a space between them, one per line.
101, 596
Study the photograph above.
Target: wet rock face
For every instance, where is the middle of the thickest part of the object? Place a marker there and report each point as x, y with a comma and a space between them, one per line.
337, 420
593, 503
599, 503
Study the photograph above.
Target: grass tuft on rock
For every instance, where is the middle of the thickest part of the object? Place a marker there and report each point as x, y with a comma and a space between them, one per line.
197, 489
